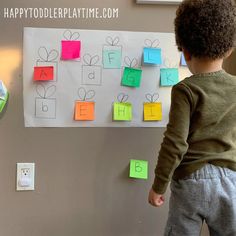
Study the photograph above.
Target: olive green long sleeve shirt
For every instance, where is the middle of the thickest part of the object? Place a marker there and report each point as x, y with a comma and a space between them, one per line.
201, 128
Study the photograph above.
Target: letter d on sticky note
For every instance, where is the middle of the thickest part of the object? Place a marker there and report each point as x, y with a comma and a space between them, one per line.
138, 169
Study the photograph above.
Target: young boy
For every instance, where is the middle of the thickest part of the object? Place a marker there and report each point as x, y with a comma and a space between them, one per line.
198, 153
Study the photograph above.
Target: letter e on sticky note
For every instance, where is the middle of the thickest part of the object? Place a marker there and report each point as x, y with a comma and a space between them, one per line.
84, 111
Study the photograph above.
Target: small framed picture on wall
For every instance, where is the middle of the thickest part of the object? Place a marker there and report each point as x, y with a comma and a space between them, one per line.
158, 1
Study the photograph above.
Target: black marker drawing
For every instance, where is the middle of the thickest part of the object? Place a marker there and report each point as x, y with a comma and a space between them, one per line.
85, 95
169, 64
130, 63
152, 98
91, 72
45, 106
112, 53
151, 43
48, 58
122, 97
68, 35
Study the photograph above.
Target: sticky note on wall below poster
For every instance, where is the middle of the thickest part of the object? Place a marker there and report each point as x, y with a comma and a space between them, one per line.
70, 49
122, 111
84, 111
152, 56
138, 169
152, 111
131, 77
169, 76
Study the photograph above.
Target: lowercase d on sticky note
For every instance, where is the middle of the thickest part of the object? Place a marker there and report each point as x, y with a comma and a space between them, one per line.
122, 111
70, 49
131, 77
84, 111
43, 73
169, 76
152, 111
138, 169
152, 56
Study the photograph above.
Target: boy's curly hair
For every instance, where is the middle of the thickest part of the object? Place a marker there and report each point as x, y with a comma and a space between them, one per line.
206, 28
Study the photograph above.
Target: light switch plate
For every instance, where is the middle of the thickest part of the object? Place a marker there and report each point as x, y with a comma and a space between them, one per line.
25, 176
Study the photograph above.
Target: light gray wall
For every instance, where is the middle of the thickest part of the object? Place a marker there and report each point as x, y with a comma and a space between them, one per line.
82, 184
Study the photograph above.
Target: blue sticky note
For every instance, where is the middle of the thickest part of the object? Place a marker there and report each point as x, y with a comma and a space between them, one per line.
183, 62
112, 59
152, 56
169, 76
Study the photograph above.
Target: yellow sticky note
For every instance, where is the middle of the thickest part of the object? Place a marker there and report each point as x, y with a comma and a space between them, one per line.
152, 111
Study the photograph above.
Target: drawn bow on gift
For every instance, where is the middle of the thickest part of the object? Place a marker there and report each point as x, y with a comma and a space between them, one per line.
45, 92
122, 97
47, 56
131, 63
168, 64
152, 97
85, 95
152, 43
89, 60
68, 35
112, 41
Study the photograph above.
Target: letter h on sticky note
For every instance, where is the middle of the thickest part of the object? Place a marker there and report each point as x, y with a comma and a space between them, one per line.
71, 47
152, 109
122, 110
138, 169
84, 110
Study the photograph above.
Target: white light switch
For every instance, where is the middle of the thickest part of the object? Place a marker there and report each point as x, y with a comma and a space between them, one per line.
25, 176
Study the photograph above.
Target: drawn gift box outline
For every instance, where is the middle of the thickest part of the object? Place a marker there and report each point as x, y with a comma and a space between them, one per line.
122, 99
90, 62
112, 45
152, 98
169, 66
84, 96
70, 37
131, 64
48, 58
153, 44
44, 95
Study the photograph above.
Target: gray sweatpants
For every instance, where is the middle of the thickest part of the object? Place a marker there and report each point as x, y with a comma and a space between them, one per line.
208, 194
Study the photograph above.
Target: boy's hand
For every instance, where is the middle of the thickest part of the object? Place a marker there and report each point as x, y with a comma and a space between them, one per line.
155, 199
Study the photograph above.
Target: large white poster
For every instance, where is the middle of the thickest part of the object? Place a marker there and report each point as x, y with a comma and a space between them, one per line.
93, 78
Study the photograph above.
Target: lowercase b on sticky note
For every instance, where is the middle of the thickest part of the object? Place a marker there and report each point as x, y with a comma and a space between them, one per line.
84, 111
131, 77
138, 169
70, 49
152, 56
152, 111
43, 73
122, 111
169, 76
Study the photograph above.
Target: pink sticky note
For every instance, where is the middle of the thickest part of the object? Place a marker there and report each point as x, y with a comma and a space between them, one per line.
70, 49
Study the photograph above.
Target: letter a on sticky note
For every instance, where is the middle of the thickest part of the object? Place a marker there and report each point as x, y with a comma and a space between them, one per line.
152, 56
70, 49
131, 77
138, 169
43, 73
152, 111
84, 111
122, 111
169, 76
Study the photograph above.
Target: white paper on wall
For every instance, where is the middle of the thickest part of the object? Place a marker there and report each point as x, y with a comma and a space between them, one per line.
52, 104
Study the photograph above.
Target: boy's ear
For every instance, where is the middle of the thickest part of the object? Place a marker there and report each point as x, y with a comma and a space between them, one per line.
229, 53
187, 55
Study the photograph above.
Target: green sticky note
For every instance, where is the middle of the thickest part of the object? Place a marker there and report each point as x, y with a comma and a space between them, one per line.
131, 77
138, 169
112, 59
169, 76
3, 101
122, 111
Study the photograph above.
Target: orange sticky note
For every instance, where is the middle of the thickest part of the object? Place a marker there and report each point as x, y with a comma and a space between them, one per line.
43, 73
152, 111
84, 110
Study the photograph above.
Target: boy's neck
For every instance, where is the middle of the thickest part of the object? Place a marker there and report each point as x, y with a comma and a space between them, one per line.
200, 66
